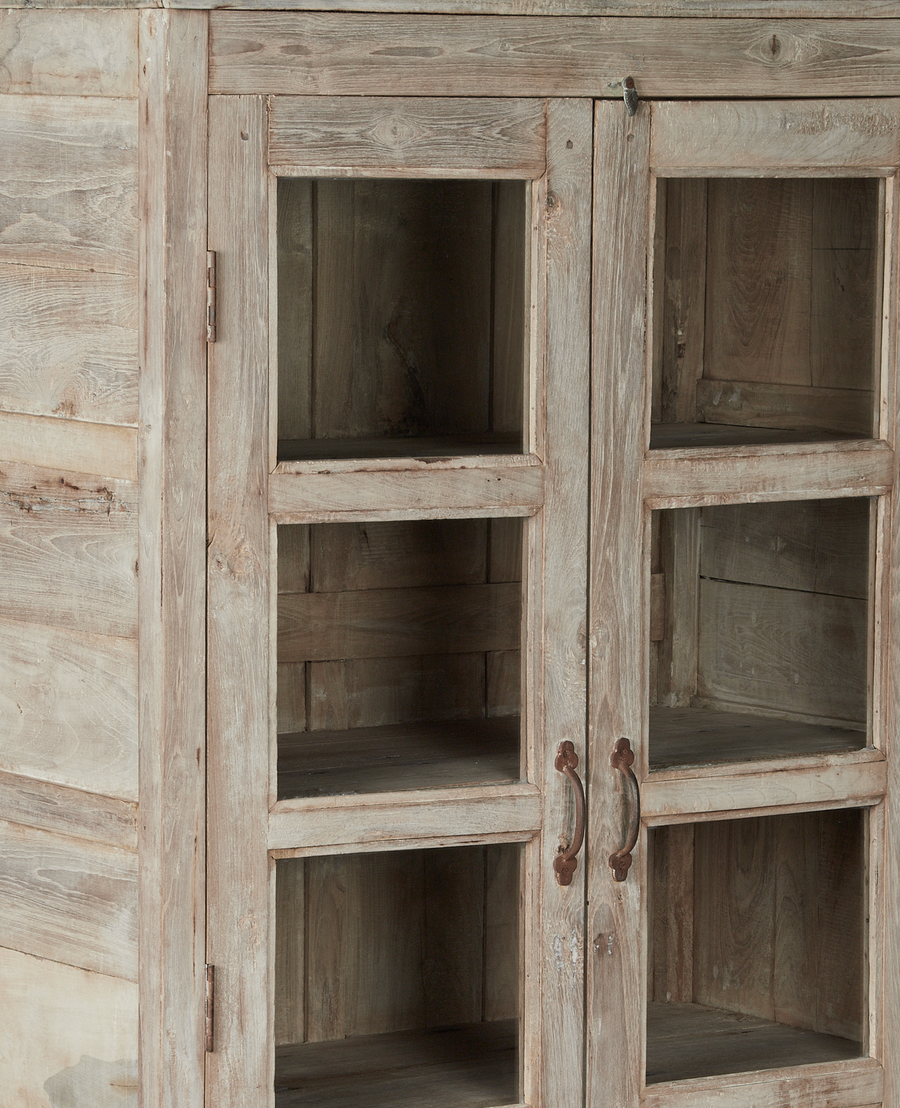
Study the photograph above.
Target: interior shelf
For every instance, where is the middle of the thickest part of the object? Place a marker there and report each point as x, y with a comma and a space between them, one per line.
440, 446
698, 737
457, 1067
681, 436
398, 756
692, 1040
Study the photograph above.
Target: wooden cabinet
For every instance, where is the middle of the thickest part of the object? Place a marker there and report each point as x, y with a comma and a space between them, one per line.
533, 502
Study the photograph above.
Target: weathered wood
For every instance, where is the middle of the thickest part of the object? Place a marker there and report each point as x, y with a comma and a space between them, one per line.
173, 51
481, 449
70, 901
71, 812
670, 957
377, 623
683, 478
484, 138
69, 708
414, 493
679, 537
69, 53
290, 951
424, 55
293, 309
844, 411
72, 1035
69, 194
69, 344
502, 929
758, 136
69, 444
771, 9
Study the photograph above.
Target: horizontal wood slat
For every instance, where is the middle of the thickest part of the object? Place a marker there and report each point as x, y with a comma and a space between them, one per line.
69, 444
685, 478
355, 54
793, 407
69, 53
494, 812
839, 783
375, 623
422, 493
490, 138
68, 900
70, 812
769, 9
771, 136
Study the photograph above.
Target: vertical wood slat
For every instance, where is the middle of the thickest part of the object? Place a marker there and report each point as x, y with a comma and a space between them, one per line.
239, 1072
615, 921
172, 555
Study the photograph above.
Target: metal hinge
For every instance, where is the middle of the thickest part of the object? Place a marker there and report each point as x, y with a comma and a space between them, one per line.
210, 296
210, 1007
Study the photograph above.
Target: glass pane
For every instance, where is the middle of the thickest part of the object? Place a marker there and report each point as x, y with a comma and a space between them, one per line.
761, 639
402, 317
767, 310
756, 944
396, 979
399, 650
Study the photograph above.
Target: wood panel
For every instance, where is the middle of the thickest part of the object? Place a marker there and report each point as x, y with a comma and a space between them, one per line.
76, 1038
68, 444
69, 53
173, 51
290, 951
775, 135
386, 622
69, 196
70, 343
295, 270
799, 408
771, 9
74, 813
69, 552
69, 901
488, 138
423, 55
69, 707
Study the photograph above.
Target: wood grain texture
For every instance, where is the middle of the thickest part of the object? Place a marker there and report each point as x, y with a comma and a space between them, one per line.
69, 707
70, 344
487, 138
70, 901
771, 9
74, 813
778, 135
69, 193
65, 540
616, 977
69, 53
68, 444
425, 55
76, 1035
840, 411
173, 544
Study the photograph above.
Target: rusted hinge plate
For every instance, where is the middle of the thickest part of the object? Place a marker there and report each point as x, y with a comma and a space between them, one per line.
210, 1007
210, 296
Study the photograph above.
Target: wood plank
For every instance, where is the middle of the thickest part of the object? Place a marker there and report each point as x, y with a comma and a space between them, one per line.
76, 1034
686, 478
689, 1039
391, 757
447, 815
379, 623
436, 138
290, 951
670, 965
444, 1068
173, 52
801, 408
511, 294
69, 553
502, 930
69, 183
407, 494
69, 344
483, 449
833, 782
70, 812
69, 53
70, 901
425, 55
69, 708
240, 1071
69, 444
680, 534
293, 312
772, 9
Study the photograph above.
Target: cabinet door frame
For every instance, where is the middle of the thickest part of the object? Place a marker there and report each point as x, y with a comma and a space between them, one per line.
249, 494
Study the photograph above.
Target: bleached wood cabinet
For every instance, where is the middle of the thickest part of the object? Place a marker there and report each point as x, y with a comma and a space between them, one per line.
529, 416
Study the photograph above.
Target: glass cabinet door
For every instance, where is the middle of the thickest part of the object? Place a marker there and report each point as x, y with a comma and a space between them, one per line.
739, 626
397, 600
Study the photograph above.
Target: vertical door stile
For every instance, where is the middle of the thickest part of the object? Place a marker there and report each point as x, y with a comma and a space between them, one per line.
567, 226
239, 1071
615, 953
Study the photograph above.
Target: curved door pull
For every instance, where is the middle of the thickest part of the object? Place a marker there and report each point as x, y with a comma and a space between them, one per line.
565, 862
622, 758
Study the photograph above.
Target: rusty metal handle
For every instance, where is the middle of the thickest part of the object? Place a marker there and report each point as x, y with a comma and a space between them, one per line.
565, 862
622, 758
